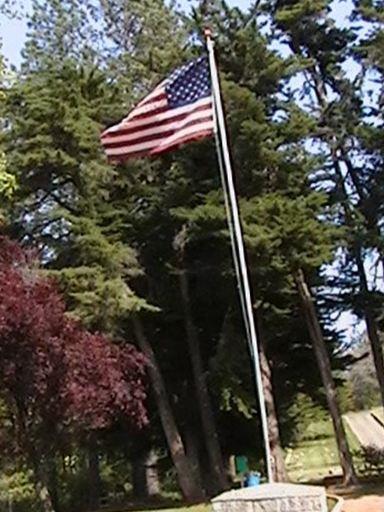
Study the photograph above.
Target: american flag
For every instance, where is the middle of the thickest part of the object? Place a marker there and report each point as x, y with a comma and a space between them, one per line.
178, 110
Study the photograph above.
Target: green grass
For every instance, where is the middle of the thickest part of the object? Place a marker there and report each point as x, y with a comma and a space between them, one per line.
315, 459
202, 507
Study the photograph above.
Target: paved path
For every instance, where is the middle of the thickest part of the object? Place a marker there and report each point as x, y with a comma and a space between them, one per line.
367, 430
367, 504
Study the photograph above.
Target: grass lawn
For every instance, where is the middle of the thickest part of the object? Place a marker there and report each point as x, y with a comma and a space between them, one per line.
363, 489
317, 458
202, 507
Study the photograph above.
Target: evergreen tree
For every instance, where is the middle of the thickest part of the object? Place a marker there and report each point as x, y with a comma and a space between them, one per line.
63, 201
322, 48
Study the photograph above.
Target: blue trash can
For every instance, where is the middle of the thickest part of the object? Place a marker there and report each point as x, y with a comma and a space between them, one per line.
252, 480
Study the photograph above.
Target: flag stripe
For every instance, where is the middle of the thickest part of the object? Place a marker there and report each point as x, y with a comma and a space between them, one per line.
192, 128
189, 138
169, 114
149, 108
153, 143
162, 128
193, 136
158, 90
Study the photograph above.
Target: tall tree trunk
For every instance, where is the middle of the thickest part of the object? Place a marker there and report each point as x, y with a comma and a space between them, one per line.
193, 448
189, 487
146, 483
94, 479
324, 365
36, 460
53, 482
279, 469
372, 329
369, 316
211, 438
152, 473
339, 153
41, 479
44, 496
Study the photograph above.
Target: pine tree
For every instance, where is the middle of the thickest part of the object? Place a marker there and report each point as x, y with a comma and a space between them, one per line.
66, 186
321, 48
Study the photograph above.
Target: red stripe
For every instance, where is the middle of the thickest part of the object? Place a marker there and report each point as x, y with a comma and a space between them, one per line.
156, 136
149, 126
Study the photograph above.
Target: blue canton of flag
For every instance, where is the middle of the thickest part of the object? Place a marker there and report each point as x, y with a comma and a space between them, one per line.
188, 83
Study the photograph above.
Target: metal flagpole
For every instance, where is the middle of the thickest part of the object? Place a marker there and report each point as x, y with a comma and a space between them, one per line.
237, 243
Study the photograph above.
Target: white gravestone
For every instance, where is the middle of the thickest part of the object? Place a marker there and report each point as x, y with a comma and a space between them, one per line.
272, 498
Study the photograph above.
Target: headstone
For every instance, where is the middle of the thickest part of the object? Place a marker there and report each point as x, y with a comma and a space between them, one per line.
272, 498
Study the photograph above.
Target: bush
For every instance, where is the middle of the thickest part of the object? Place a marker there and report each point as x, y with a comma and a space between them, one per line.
372, 460
17, 492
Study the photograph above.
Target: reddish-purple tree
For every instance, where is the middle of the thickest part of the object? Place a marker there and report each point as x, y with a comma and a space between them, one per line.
56, 377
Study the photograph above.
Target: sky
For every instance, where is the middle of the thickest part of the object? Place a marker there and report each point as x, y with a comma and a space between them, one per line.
12, 32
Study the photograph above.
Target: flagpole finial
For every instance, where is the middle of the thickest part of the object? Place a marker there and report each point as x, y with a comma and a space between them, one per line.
207, 33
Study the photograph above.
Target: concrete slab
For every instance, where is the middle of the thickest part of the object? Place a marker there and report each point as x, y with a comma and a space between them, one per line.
272, 498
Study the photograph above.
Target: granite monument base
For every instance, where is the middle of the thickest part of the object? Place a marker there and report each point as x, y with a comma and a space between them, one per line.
272, 498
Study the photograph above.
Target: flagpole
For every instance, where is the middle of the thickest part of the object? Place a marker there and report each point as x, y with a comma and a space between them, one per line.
237, 243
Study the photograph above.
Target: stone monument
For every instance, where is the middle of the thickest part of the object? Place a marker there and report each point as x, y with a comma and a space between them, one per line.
272, 498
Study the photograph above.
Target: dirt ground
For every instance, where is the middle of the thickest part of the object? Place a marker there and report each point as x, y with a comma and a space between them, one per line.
365, 504
368, 497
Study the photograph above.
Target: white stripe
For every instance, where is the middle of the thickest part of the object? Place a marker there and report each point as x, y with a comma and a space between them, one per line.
157, 118
156, 92
125, 150
141, 108
176, 125
146, 109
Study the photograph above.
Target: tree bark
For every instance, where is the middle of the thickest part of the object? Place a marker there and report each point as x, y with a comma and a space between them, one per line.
372, 329
279, 469
372, 223
53, 483
369, 316
44, 496
193, 448
146, 483
211, 437
41, 480
189, 487
324, 365
94, 479
36, 460
152, 473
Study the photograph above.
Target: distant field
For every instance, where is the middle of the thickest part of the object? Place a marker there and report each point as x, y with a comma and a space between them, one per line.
317, 458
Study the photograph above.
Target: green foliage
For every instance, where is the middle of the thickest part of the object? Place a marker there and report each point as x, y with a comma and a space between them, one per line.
7, 180
17, 487
310, 420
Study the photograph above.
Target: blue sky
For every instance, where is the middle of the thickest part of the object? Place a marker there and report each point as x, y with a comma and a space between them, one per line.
12, 32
